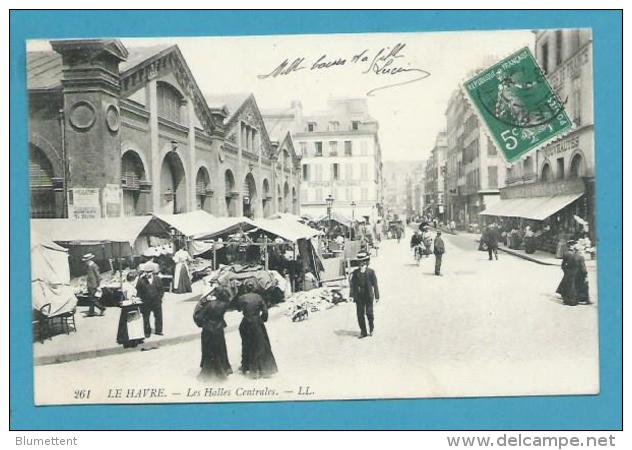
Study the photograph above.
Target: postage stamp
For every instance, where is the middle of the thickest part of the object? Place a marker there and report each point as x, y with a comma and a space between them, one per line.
517, 104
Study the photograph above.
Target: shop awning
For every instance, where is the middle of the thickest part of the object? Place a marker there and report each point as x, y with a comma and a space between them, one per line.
534, 208
287, 228
114, 229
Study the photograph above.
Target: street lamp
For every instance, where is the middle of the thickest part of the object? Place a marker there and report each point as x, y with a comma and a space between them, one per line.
330, 201
353, 205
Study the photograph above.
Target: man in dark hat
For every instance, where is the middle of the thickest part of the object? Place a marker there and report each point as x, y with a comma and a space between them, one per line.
363, 289
439, 250
93, 282
491, 238
149, 289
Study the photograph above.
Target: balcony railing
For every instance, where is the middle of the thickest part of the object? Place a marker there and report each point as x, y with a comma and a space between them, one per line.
203, 190
130, 182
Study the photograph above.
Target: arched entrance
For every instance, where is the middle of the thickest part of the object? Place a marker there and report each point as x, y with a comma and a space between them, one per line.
172, 185
266, 198
547, 175
229, 189
286, 197
294, 202
280, 207
43, 201
203, 190
132, 173
249, 196
577, 166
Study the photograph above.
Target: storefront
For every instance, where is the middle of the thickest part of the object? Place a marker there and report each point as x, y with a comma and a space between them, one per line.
555, 211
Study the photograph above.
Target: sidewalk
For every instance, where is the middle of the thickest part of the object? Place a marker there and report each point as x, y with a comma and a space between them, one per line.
539, 257
96, 336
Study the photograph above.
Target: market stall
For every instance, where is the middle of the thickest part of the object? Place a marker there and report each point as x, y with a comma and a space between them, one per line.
301, 242
50, 277
117, 243
337, 224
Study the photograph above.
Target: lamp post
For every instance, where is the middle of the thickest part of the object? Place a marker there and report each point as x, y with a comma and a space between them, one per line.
330, 201
353, 205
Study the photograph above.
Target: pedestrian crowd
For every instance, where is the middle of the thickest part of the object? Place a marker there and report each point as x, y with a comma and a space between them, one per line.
257, 359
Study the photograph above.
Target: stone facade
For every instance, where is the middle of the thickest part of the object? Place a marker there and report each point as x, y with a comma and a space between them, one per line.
474, 169
434, 178
340, 156
122, 131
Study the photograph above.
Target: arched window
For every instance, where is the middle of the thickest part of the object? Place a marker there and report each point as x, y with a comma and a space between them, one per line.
132, 173
286, 197
173, 185
203, 190
250, 196
577, 166
170, 102
286, 160
229, 189
547, 175
280, 207
43, 202
265, 200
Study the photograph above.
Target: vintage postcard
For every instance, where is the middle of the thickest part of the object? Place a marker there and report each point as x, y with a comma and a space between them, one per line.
313, 217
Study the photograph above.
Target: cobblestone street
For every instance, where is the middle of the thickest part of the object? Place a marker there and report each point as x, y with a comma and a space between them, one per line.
483, 328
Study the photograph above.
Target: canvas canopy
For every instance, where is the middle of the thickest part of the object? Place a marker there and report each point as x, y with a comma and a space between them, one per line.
287, 229
189, 224
49, 261
287, 216
220, 226
114, 229
336, 217
50, 276
200, 225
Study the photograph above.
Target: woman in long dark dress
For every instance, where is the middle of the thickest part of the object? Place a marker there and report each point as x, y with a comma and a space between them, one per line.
257, 359
209, 315
570, 266
581, 281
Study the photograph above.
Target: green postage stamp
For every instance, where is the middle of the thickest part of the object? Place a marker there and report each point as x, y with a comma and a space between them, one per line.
518, 105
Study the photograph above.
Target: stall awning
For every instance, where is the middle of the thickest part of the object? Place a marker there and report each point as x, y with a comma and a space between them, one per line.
534, 208
287, 228
115, 229
219, 226
336, 217
191, 223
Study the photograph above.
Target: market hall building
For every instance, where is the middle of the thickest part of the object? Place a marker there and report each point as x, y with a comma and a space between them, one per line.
116, 131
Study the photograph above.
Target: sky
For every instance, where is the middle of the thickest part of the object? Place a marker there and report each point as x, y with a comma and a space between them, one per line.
410, 115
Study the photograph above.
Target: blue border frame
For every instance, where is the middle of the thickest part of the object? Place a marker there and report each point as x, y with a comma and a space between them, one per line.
603, 411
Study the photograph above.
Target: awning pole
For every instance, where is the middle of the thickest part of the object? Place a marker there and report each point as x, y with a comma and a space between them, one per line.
265, 243
214, 256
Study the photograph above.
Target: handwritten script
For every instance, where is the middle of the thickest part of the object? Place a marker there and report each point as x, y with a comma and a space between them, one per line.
388, 63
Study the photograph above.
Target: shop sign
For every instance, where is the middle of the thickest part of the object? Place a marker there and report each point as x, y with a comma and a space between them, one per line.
83, 203
563, 146
112, 200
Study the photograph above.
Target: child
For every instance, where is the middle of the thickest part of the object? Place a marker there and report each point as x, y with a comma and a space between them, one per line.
129, 287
